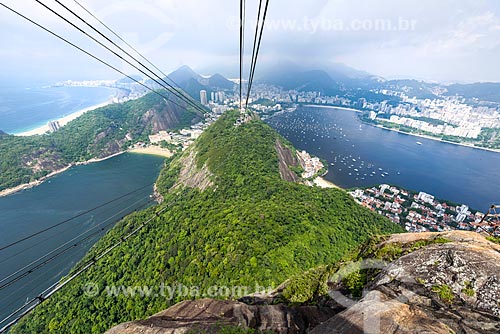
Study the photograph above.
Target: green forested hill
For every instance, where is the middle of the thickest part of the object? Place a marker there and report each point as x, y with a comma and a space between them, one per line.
95, 134
249, 227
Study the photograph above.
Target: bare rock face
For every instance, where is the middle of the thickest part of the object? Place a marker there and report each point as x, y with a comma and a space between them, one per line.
286, 159
191, 176
440, 283
210, 316
377, 313
457, 282
450, 286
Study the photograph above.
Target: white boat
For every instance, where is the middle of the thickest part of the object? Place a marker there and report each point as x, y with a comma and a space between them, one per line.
419, 143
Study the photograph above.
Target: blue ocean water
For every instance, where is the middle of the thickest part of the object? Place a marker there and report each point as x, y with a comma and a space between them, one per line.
61, 197
26, 107
361, 155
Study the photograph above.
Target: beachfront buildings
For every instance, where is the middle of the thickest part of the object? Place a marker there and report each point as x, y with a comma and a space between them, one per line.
311, 166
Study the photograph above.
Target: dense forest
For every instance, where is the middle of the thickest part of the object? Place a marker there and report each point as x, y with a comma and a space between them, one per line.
95, 134
248, 228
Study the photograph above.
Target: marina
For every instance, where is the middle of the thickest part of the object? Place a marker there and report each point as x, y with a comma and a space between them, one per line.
457, 173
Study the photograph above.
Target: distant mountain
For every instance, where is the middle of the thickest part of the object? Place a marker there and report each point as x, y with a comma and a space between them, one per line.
192, 82
184, 74
332, 82
413, 88
218, 81
487, 91
2, 133
337, 69
315, 80
127, 80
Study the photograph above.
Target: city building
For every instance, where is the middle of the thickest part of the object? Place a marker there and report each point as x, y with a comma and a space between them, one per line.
159, 137
54, 126
203, 97
462, 213
426, 198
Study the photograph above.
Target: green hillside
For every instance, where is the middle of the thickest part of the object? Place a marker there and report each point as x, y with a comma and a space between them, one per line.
247, 227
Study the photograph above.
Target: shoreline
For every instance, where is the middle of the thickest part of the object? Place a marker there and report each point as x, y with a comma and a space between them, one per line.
409, 133
152, 150
13, 190
435, 138
25, 186
324, 183
62, 120
332, 107
155, 150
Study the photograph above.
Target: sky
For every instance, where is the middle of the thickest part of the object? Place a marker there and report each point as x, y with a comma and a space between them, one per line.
440, 41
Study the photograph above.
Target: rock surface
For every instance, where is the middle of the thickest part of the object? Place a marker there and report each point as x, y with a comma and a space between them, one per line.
208, 315
447, 283
286, 159
191, 176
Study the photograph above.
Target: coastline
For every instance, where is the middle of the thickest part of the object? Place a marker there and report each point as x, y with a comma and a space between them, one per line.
323, 183
151, 150
13, 190
435, 138
332, 107
24, 186
62, 121
408, 133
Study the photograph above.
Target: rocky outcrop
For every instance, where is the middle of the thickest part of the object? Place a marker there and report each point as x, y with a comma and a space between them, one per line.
447, 284
190, 175
163, 118
414, 283
380, 314
211, 316
43, 159
286, 159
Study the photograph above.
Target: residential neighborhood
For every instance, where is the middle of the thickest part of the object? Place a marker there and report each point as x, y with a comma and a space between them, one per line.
419, 212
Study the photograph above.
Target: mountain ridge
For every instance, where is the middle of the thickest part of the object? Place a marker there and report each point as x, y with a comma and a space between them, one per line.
246, 227
192, 82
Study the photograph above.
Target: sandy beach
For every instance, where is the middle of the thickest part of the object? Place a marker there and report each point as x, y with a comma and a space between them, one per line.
62, 121
322, 183
153, 150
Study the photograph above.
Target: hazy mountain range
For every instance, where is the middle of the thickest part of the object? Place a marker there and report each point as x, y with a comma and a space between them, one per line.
333, 79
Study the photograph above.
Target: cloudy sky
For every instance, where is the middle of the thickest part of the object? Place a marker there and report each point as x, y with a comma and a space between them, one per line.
445, 40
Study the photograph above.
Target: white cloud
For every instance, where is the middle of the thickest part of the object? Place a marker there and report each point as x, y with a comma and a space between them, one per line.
452, 39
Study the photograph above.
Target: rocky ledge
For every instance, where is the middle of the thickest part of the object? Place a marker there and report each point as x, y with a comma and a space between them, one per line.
406, 283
